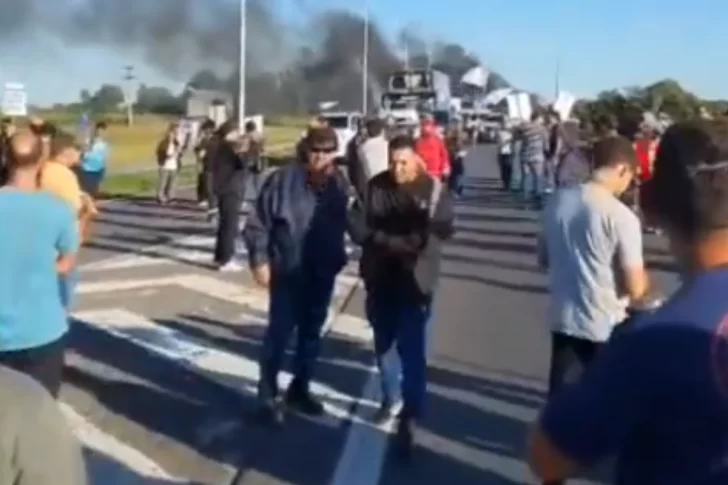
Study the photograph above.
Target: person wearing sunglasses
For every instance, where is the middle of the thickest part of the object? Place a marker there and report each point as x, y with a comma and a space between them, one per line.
296, 248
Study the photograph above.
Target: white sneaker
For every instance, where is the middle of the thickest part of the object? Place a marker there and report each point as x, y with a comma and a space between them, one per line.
230, 267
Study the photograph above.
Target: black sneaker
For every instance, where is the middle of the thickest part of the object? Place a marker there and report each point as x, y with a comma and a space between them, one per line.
272, 413
384, 413
303, 402
404, 440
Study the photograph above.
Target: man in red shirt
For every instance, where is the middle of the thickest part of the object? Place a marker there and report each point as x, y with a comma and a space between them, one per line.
431, 148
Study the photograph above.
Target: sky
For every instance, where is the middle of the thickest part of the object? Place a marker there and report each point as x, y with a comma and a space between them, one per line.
593, 45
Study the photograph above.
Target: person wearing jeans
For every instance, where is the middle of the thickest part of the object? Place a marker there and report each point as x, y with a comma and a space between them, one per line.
401, 226
534, 144
168, 155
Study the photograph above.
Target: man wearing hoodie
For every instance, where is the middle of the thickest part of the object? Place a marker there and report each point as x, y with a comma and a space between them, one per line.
296, 246
431, 148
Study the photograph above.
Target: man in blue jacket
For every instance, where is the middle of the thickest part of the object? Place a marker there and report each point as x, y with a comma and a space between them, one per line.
295, 241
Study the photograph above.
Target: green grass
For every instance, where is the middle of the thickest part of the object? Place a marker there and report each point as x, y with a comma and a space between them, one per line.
134, 146
142, 184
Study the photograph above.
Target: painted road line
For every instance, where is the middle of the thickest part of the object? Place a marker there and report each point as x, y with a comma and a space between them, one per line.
362, 457
251, 298
112, 462
193, 249
235, 371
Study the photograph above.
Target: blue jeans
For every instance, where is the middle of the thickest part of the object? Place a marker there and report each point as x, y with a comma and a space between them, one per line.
299, 305
533, 179
517, 173
402, 327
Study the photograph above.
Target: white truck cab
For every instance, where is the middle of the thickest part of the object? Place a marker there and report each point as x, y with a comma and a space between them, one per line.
345, 124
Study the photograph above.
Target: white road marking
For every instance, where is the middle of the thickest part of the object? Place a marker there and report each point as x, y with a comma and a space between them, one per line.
194, 249
232, 370
362, 457
112, 462
252, 299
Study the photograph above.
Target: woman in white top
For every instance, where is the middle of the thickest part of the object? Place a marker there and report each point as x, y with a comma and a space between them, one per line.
168, 158
505, 156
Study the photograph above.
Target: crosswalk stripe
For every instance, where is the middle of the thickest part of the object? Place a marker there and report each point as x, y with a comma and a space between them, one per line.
110, 461
231, 370
189, 249
254, 300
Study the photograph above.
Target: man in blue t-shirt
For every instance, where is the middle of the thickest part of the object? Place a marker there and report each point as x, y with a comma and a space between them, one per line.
93, 162
657, 394
38, 245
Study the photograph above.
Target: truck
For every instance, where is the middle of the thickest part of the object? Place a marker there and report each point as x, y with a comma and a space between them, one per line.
412, 91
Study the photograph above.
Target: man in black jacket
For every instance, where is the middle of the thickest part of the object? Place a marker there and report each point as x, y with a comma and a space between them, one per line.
401, 227
228, 168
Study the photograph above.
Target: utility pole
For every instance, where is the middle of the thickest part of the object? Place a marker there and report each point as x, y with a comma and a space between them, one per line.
365, 66
129, 79
243, 51
557, 86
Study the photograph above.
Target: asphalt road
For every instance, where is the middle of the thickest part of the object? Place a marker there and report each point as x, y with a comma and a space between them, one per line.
162, 358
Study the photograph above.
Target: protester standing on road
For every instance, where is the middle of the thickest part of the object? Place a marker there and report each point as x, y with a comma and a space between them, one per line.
534, 145
205, 194
38, 448
401, 227
295, 241
255, 152
456, 141
372, 157
505, 155
657, 395
229, 167
94, 160
591, 246
58, 177
168, 156
573, 167
432, 150
42, 244
553, 150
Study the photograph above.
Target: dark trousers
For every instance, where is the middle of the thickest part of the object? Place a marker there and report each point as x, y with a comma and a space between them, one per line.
402, 325
44, 363
457, 174
505, 168
569, 358
91, 181
303, 306
228, 226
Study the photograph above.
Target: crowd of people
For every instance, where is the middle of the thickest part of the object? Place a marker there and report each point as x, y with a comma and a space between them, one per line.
632, 376
629, 374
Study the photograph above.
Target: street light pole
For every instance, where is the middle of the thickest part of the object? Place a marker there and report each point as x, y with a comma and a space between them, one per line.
365, 65
243, 50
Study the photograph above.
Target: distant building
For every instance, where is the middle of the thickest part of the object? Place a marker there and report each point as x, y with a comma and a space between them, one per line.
204, 103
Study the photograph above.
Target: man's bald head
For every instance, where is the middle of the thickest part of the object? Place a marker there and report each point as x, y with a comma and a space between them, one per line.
26, 150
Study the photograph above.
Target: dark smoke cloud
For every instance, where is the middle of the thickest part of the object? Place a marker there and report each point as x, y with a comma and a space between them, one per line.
290, 65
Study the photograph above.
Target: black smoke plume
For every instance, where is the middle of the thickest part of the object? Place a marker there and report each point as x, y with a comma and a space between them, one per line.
291, 64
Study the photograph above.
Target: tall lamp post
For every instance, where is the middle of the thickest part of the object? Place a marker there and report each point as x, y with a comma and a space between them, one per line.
243, 50
365, 65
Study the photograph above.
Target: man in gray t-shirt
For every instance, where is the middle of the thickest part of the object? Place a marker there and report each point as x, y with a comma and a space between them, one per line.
36, 445
591, 244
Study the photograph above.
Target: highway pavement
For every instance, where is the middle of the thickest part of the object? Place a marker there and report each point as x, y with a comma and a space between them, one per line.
161, 370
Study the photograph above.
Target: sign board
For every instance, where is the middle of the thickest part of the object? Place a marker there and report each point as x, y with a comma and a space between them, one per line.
519, 106
564, 104
14, 100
